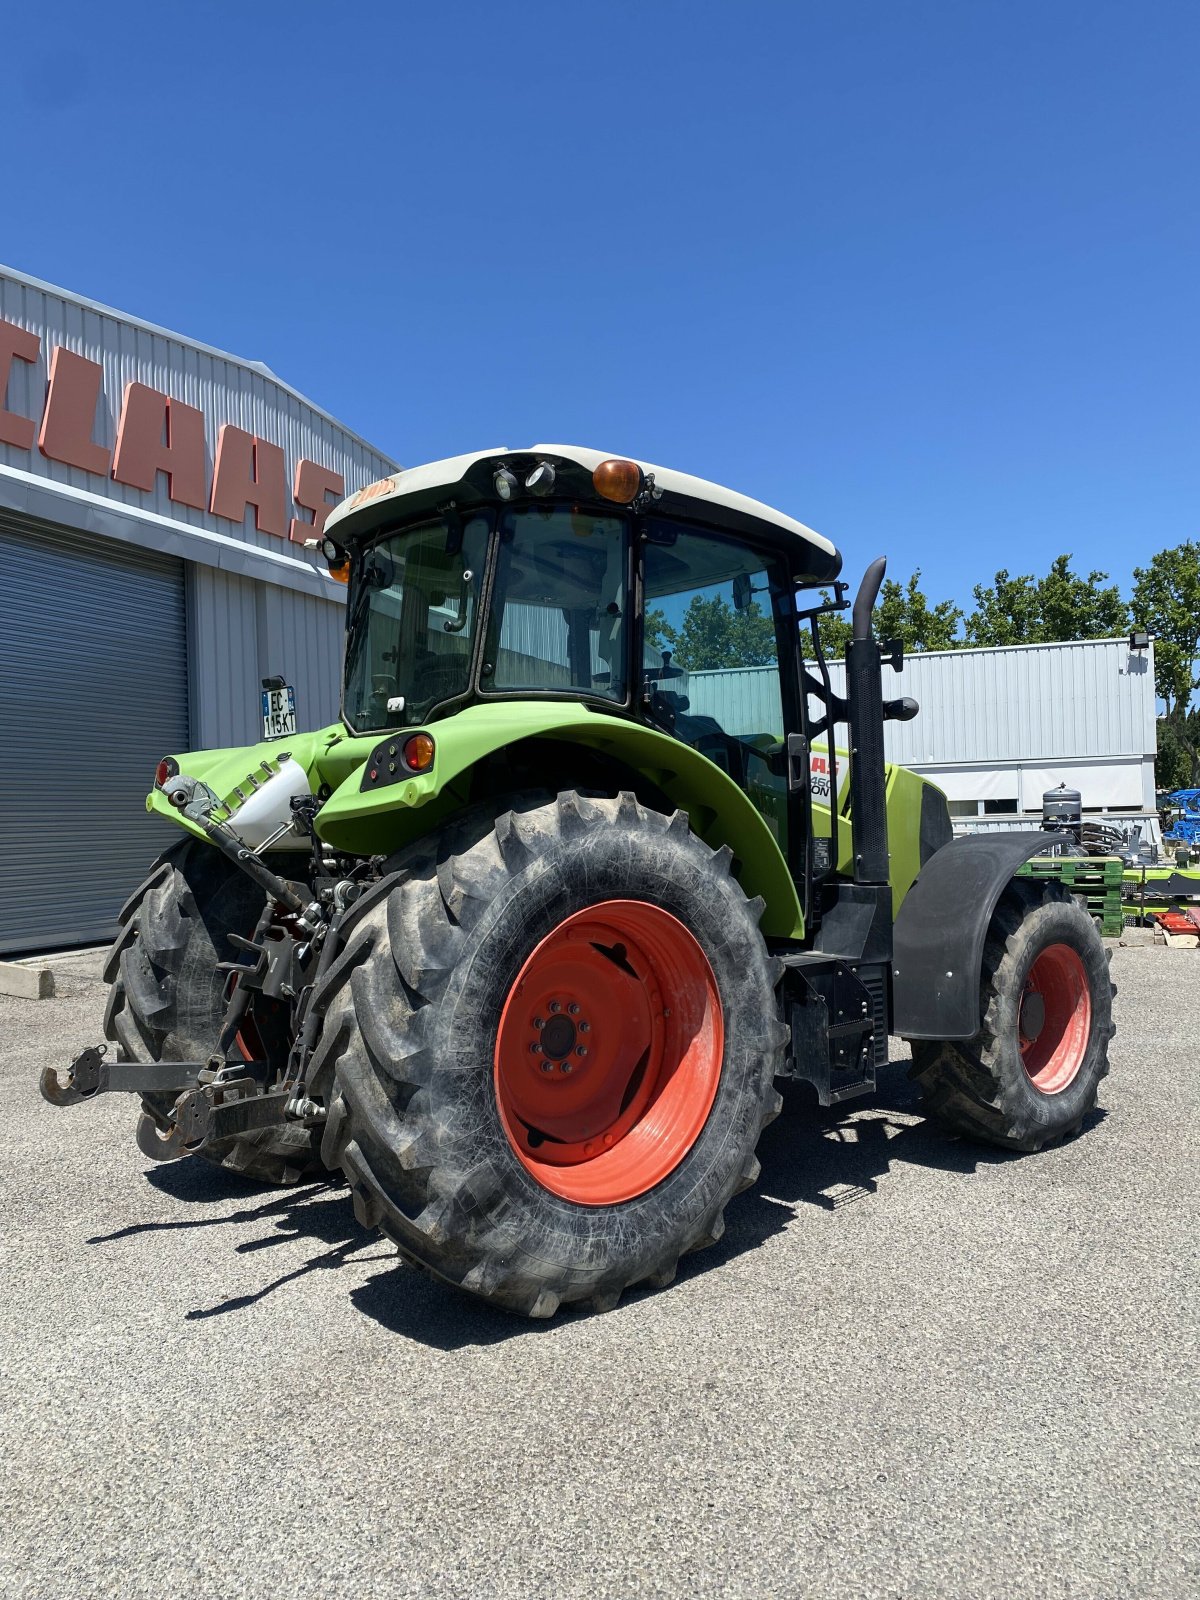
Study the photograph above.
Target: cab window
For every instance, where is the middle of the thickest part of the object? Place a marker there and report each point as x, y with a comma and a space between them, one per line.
711, 672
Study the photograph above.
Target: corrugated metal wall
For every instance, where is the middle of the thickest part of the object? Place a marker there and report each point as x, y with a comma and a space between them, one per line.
102, 628
241, 631
223, 387
1063, 701
1093, 699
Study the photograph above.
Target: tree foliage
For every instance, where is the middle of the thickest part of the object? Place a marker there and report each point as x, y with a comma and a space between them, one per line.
1059, 607
1166, 603
903, 612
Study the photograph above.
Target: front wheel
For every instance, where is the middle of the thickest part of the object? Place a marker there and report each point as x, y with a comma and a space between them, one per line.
1032, 1073
549, 1048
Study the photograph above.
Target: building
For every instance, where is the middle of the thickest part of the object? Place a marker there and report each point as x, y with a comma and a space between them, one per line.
155, 495
998, 727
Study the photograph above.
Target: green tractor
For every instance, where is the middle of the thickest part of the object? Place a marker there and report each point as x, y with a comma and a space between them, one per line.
525, 943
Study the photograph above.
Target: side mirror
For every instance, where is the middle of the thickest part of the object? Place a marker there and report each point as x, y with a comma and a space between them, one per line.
742, 592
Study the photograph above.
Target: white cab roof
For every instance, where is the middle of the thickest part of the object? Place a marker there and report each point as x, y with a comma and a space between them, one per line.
445, 474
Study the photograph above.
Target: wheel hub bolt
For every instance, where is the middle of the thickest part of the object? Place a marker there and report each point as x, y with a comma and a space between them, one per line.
573, 1009
584, 1027
547, 1066
535, 1049
566, 1066
554, 1006
581, 1050
539, 1022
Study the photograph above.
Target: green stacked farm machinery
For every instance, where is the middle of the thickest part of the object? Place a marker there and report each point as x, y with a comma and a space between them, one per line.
525, 943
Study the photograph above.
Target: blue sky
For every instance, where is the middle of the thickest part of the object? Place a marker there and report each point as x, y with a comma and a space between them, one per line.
923, 275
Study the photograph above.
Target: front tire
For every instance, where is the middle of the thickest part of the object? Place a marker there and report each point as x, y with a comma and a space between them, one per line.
549, 1050
1031, 1075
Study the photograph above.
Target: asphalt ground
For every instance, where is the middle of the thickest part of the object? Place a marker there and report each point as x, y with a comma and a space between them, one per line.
911, 1368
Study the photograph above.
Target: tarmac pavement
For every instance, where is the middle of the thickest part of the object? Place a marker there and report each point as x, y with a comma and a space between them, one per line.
912, 1367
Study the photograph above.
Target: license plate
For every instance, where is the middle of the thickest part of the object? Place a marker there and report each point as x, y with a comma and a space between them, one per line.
279, 712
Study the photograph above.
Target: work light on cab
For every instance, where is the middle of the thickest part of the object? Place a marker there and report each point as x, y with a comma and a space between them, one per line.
337, 559
617, 480
166, 769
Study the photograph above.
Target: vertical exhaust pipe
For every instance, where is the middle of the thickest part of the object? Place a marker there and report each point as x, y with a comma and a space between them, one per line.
864, 695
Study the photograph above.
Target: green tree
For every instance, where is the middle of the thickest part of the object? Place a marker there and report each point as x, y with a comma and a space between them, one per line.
712, 634
1061, 606
903, 612
1166, 603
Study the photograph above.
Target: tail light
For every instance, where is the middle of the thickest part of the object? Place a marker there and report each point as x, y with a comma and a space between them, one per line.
418, 752
166, 769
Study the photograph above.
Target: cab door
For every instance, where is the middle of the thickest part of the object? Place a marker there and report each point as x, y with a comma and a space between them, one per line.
720, 665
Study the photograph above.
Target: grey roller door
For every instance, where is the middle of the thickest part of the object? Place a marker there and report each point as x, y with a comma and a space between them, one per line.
93, 691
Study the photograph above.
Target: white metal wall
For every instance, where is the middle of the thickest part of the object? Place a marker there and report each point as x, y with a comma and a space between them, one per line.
1091, 698
240, 632
1000, 724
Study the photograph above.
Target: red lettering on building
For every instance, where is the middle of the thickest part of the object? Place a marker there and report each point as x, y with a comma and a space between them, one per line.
249, 472
158, 434
16, 344
70, 415
312, 484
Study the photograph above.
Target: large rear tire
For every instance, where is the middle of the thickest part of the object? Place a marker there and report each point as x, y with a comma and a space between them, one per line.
167, 999
549, 1049
1031, 1075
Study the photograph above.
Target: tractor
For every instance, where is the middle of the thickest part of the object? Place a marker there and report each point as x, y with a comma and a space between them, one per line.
526, 943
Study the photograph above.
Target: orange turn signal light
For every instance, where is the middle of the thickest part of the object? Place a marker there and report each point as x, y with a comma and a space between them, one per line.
340, 572
418, 752
618, 480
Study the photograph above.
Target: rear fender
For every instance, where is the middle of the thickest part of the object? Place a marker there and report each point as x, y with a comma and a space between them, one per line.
941, 928
380, 819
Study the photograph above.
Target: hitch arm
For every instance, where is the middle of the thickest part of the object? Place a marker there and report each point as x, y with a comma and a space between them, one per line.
90, 1074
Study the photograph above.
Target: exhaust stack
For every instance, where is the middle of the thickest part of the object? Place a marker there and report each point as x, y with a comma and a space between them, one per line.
864, 696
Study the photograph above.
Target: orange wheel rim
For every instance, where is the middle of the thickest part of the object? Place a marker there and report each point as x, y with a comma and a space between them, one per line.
608, 1053
1055, 1019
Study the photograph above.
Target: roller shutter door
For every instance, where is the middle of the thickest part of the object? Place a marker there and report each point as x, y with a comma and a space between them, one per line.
93, 691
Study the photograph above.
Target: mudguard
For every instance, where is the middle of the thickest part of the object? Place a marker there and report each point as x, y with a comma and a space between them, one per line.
941, 928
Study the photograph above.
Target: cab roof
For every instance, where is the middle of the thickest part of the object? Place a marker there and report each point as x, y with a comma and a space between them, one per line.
468, 480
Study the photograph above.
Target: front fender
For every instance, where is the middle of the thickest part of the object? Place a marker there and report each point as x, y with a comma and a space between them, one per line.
384, 818
940, 931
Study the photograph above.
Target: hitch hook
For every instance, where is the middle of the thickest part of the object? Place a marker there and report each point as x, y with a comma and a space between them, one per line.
83, 1078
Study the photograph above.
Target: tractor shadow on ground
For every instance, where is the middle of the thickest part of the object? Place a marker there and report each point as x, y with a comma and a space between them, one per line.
831, 1159
835, 1157
319, 1211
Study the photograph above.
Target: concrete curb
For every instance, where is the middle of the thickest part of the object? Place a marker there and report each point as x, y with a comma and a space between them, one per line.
26, 983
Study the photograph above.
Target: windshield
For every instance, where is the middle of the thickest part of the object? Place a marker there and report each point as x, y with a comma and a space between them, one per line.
556, 624
558, 610
412, 622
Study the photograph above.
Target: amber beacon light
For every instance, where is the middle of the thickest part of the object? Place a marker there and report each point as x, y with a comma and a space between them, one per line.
618, 480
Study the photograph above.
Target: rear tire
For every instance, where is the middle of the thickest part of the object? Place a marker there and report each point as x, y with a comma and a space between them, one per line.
428, 1073
167, 999
1031, 1075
